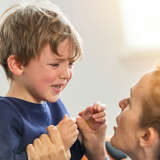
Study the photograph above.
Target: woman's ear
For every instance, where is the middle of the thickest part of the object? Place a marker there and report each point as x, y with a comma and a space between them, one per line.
148, 137
14, 65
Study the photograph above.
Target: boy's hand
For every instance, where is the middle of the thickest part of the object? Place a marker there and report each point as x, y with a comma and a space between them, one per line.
48, 147
68, 130
94, 115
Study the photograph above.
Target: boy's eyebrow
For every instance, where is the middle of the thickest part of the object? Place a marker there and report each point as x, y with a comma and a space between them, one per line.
62, 59
59, 59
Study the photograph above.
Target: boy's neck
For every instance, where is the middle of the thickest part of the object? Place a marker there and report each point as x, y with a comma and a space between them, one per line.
18, 91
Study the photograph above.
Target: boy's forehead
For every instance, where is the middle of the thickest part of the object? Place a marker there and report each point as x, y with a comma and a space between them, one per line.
64, 54
66, 46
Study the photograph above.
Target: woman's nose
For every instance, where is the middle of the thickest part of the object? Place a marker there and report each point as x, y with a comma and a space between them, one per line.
123, 103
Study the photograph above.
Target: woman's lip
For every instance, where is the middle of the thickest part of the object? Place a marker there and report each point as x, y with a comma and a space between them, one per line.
115, 128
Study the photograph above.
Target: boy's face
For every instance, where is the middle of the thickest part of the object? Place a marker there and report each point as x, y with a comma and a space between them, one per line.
45, 77
126, 134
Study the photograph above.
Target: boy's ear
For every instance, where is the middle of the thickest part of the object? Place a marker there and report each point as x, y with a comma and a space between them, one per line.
148, 137
14, 65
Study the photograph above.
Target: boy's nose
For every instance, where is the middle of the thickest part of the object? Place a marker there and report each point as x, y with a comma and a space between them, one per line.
65, 73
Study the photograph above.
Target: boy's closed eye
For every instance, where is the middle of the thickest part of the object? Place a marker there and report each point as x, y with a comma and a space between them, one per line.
54, 64
71, 63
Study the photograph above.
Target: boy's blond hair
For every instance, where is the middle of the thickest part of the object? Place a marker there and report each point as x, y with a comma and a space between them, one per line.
26, 28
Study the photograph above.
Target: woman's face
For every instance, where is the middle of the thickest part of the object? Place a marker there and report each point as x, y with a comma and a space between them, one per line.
126, 134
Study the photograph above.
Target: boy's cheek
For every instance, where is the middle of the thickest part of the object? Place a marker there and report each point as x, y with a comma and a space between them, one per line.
71, 73
69, 78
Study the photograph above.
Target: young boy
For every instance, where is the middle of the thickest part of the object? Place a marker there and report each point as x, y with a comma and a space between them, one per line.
38, 47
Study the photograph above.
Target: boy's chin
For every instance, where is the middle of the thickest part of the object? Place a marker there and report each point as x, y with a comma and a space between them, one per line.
53, 99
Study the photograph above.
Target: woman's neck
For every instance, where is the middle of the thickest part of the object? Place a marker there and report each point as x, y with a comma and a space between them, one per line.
143, 155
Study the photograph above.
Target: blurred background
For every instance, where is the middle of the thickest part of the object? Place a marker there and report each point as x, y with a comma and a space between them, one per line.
121, 40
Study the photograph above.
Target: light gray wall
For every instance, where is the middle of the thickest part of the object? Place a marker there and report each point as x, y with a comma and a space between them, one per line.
103, 74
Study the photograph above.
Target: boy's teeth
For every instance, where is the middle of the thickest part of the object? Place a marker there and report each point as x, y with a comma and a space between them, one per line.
57, 86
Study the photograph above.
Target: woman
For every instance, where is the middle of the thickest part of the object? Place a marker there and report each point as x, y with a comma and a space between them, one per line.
138, 125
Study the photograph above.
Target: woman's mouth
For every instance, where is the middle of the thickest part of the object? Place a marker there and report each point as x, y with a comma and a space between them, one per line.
114, 128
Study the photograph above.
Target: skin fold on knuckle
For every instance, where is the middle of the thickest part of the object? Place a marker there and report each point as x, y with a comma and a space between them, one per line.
36, 142
29, 147
43, 136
